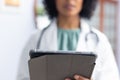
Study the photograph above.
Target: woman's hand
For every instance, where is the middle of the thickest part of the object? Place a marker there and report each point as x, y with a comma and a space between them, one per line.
77, 77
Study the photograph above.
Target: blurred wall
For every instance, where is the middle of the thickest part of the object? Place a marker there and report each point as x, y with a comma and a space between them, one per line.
118, 38
15, 29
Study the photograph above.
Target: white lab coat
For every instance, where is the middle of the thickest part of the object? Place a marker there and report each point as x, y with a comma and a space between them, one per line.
105, 69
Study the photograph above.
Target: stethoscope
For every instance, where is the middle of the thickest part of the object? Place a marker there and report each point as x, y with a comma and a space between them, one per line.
88, 36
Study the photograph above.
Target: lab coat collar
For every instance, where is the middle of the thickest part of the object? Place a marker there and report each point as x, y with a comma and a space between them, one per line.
51, 39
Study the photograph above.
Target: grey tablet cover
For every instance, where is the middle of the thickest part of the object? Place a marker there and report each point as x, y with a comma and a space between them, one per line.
57, 67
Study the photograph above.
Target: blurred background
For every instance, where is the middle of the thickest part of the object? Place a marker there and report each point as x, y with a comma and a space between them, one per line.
20, 18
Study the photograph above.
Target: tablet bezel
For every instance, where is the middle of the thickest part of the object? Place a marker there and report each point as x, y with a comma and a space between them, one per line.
37, 53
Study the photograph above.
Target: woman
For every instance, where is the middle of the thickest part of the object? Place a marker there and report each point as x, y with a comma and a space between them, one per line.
68, 31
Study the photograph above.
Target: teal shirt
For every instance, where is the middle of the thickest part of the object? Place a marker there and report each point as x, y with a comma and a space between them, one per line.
68, 39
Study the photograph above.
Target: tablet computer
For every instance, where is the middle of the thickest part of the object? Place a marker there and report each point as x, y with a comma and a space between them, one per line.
57, 65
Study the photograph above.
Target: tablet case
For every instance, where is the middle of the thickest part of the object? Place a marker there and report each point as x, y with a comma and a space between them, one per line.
57, 67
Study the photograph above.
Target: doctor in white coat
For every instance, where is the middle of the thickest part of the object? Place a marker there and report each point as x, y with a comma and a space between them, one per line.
69, 31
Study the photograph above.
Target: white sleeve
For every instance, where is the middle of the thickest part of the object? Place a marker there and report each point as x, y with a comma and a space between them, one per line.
108, 69
23, 71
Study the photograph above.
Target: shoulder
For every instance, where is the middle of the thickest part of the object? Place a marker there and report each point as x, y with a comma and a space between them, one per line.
33, 39
101, 35
103, 43
36, 34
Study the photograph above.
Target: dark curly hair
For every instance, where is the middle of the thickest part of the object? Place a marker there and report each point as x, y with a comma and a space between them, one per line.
87, 9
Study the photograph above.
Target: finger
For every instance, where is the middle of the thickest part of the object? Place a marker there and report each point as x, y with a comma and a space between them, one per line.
83, 78
67, 78
78, 77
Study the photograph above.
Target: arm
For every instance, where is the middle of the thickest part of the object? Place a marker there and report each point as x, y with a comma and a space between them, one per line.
108, 68
23, 71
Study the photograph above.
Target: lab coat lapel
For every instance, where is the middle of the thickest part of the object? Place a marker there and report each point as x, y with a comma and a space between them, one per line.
51, 37
81, 42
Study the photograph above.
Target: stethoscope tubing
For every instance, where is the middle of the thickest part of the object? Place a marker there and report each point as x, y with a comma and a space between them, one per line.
86, 36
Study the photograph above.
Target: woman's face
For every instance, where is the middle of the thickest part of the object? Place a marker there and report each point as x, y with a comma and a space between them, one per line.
69, 7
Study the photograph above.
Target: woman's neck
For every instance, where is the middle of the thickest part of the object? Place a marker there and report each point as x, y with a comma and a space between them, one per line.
68, 22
